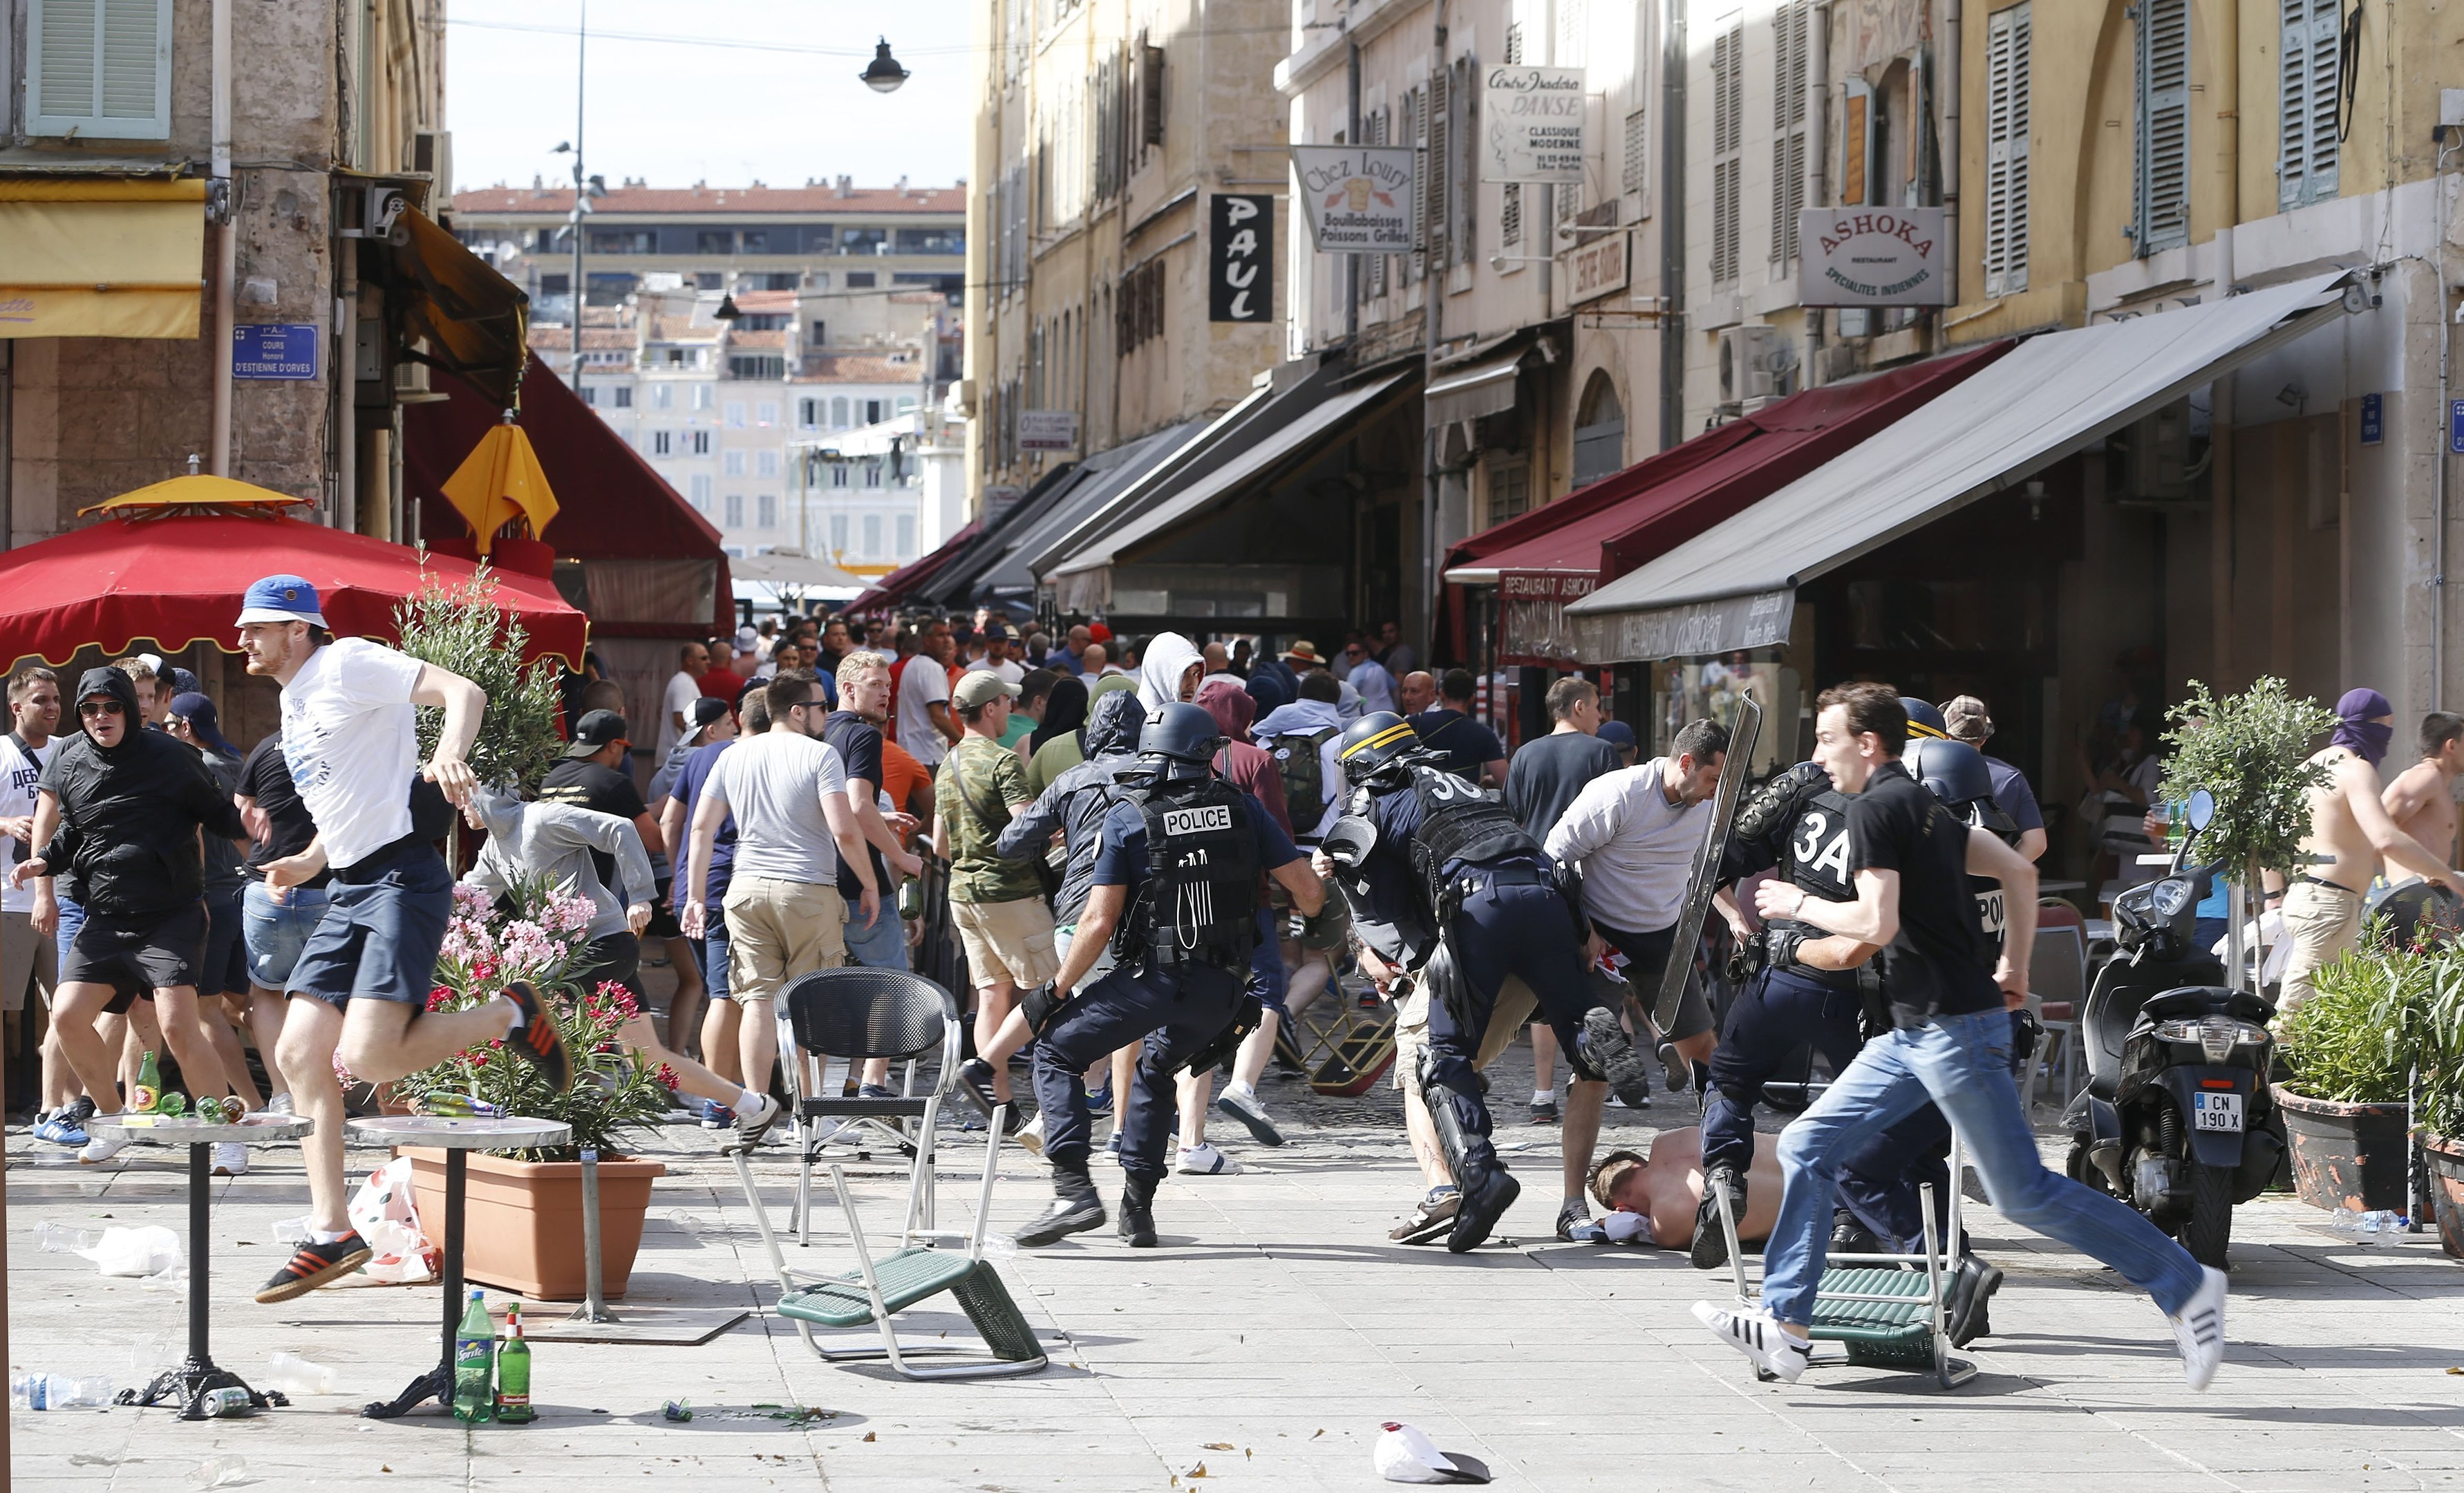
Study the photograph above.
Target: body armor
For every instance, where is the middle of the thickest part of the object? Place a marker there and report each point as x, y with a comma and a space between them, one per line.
1200, 902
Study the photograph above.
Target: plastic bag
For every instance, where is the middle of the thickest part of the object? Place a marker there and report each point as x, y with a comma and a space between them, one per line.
382, 1211
149, 1250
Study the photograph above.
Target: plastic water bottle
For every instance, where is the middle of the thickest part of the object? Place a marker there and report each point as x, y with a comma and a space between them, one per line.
294, 1374
2370, 1230
37, 1391
59, 1238
475, 1357
219, 1472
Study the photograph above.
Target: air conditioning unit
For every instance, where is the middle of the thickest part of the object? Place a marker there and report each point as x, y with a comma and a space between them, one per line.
2155, 452
433, 151
1749, 362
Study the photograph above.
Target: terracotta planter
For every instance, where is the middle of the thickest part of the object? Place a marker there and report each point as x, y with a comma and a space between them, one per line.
2346, 1155
2446, 1191
522, 1231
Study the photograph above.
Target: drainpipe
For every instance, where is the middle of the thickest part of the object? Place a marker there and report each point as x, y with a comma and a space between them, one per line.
1351, 137
1672, 222
1817, 157
1432, 292
226, 245
1950, 73
344, 365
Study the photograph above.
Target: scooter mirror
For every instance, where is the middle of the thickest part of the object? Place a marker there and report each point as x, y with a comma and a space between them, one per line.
2203, 810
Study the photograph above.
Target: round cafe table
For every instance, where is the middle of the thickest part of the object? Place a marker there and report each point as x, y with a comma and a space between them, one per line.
198, 1373
457, 1138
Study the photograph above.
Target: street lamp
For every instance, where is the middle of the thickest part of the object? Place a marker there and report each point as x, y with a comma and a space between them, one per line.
883, 75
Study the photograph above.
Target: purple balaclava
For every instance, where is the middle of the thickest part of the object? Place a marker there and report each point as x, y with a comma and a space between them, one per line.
2357, 730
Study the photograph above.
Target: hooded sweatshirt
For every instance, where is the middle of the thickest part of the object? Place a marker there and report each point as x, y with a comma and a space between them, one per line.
1160, 667
556, 841
1077, 802
129, 814
1244, 766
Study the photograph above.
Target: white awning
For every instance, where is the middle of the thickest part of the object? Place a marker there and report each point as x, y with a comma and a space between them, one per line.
2054, 395
1484, 388
1322, 421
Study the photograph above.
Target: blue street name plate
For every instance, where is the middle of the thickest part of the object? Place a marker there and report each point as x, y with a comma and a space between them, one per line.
273, 350
2373, 419
2455, 425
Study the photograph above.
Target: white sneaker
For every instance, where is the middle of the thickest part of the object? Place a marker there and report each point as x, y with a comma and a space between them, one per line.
1757, 1336
1031, 1135
231, 1158
100, 1150
751, 1124
1204, 1160
279, 1104
2199, 1330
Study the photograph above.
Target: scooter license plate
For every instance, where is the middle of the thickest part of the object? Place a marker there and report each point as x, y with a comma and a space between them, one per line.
2217, 1112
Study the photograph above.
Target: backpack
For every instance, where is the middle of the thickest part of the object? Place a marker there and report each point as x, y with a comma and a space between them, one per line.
1304, 774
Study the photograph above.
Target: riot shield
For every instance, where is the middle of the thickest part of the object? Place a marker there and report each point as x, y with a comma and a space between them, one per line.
1742, 728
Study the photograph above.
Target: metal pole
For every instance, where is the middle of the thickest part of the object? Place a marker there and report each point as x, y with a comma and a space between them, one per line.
201, 1218
594, 1303
581, 76
457, 1186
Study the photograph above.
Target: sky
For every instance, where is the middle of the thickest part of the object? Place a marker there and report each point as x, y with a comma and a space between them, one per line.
721, 91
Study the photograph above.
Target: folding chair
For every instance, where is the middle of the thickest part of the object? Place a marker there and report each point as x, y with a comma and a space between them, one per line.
857, 1014
1887, 1311
2057, 972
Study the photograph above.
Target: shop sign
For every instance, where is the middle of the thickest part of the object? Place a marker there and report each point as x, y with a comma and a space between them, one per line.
1048, 429
1532, 125
1588, 272
1358, 198
1873, 257
1756, 620
1546, 586
1240, 258
269, 350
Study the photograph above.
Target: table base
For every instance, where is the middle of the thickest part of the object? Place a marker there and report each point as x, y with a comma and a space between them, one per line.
436, 1384
187, 1387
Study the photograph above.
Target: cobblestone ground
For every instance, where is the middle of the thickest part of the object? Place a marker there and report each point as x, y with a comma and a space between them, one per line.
1260, 1349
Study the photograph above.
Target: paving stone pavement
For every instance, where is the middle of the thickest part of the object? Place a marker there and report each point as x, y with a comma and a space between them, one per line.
1260, 1347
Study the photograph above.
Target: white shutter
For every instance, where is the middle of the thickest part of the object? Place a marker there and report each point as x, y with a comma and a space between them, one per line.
1727, 130
1789, 62
1638, 161
99, 68
2007, 36
2164, 145
2308, 71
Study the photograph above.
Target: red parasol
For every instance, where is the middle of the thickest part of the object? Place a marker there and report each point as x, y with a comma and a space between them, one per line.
172, 561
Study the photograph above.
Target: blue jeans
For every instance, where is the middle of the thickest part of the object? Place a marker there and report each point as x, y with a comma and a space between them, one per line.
709, 954
278, 931
884, 945
1962, 1062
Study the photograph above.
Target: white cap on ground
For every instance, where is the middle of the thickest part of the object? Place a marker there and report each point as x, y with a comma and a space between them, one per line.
1404, 1453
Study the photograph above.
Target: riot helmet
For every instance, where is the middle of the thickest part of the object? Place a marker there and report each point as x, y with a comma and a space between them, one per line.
1925, 721
1372, 751
1955, 772
1179, 742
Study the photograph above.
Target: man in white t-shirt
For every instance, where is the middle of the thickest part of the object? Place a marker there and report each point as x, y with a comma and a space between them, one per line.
787, 791
359, 988
924, 726
28, 955
676, 700
998, 642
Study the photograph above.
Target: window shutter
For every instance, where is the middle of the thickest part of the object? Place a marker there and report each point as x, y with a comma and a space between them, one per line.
2163, 180
1150, 95
1510, 197
99, 68
1855, 143
1416, 118
1437, 162
1789, 60
1636, 180
1727, 129
2308, 73
2005, 151
1463, 168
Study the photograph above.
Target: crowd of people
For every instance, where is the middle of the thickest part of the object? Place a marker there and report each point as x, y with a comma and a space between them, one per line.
1151, 855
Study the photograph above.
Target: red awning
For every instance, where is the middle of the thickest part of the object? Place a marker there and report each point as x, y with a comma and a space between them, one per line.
177, 579
893, 588
1563, 551
650, 565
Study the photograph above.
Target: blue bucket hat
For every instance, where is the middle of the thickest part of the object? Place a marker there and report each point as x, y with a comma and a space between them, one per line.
281, 599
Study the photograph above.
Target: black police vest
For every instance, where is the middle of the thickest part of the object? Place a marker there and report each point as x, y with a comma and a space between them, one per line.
1200, 904
1460, 823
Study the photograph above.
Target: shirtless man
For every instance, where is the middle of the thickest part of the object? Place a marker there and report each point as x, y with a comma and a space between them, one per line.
2422, 799
1665, 1190
2350, 834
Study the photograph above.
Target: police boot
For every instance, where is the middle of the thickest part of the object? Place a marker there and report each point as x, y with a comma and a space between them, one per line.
1137, 1213
1606, 1051
1075, 1209
1851, 1237
1711, 1248
1488, 1190
1971, 1291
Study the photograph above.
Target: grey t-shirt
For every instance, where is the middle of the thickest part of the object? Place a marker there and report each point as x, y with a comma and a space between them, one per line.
775, 784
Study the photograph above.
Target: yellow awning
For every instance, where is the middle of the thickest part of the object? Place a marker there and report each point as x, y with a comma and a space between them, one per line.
101, 256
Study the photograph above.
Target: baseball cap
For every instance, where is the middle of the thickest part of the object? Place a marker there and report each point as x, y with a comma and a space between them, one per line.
996, 630
280, 598
978, 686
710, 708
1618, 732
594, 731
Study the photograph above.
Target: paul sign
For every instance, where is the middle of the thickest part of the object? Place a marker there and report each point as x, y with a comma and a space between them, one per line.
1873, 257
1358, 198
1240, 258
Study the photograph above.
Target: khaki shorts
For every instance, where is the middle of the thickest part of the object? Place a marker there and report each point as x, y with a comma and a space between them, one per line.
25, 957
1007, 941
778, 930
2323, 923
1514, 1009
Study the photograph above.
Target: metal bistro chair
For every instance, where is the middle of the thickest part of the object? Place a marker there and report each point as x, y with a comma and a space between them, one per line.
2057, 972
857, 1014
1887, 1311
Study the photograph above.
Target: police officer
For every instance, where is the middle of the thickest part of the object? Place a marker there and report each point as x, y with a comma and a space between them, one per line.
1444, 856
1161, 952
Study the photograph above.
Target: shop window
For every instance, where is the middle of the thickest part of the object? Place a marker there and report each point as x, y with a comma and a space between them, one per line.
1690, 689
1509, 491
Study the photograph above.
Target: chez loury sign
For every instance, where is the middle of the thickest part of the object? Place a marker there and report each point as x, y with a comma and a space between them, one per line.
1873, 257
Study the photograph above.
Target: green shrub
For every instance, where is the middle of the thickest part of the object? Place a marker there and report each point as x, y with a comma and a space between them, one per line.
460, 629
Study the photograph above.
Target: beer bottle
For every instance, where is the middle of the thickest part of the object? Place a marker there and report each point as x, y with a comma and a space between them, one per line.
474, 1344
514, 1372
147, 1097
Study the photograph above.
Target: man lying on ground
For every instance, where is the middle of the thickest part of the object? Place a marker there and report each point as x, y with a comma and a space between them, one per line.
1652, 1201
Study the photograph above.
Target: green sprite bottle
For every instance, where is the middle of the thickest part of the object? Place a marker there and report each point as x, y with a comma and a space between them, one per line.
474, 1344
147, 1096
514, 1372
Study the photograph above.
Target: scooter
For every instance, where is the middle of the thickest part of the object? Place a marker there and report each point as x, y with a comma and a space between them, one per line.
2177, 1118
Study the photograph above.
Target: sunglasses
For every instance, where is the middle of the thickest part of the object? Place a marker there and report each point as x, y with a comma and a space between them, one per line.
89, 710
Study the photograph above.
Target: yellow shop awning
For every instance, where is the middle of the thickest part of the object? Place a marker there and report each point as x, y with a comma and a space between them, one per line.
101, 256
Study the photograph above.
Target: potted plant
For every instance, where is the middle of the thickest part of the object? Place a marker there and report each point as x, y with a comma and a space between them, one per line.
2441, 1044
524, 1223
2353, 1047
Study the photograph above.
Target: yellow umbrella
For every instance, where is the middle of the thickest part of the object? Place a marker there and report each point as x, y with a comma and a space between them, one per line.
500, 482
